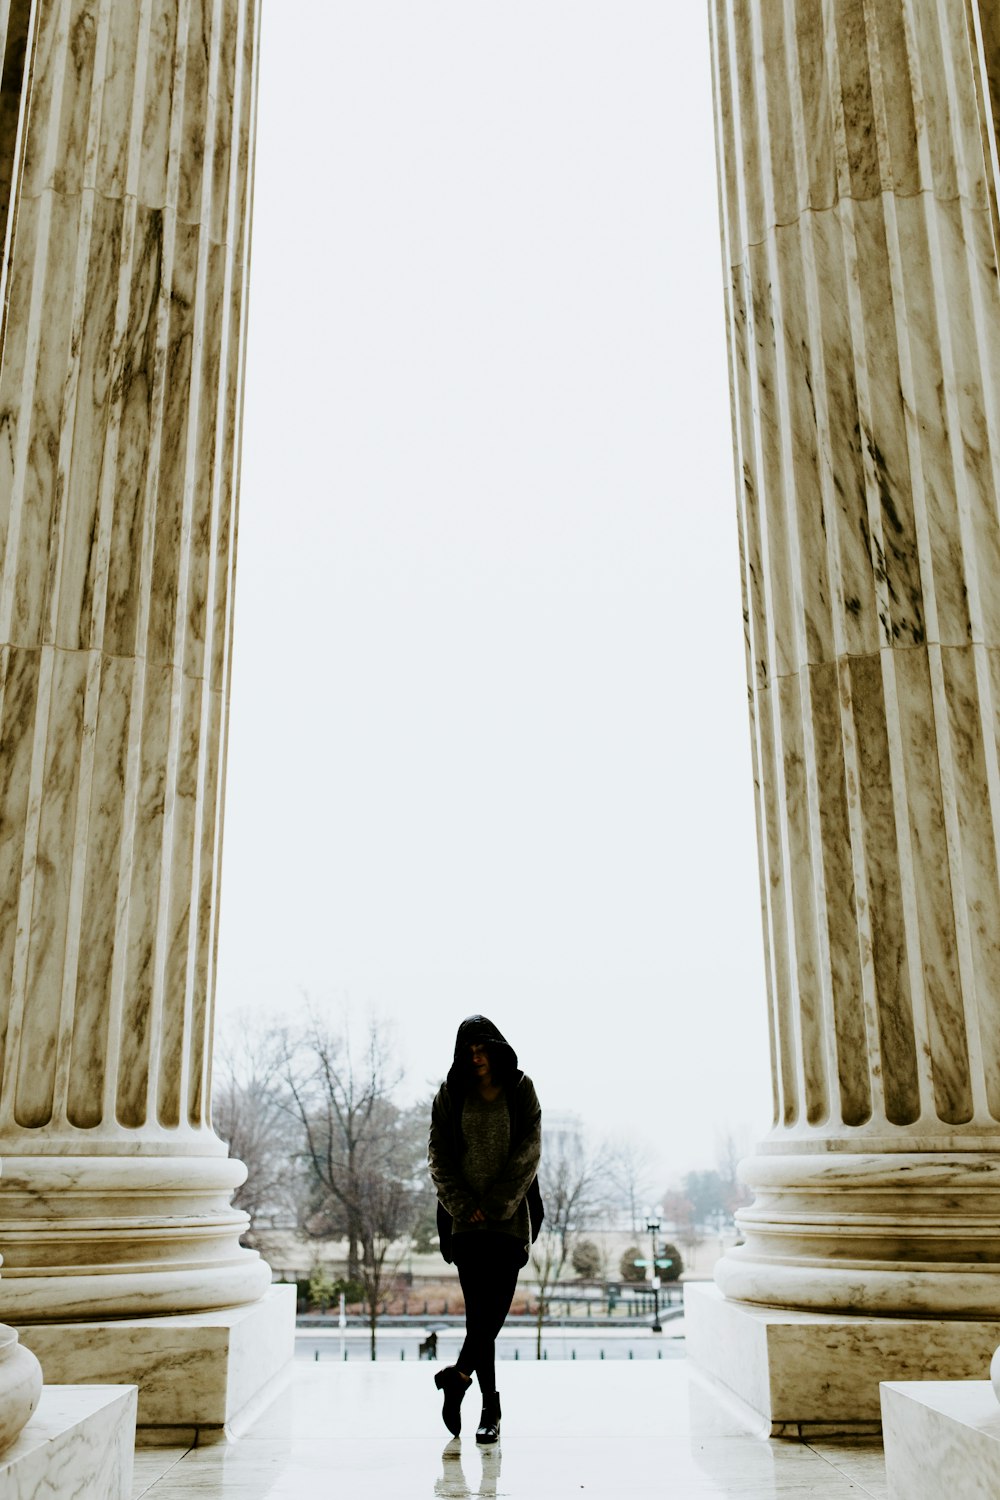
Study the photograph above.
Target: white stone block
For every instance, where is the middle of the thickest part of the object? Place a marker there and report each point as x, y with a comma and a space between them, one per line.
198, 1374
77, 1446
941, 1438
812, 1373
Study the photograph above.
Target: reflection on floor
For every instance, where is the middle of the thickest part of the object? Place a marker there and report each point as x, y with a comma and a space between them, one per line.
588, 1430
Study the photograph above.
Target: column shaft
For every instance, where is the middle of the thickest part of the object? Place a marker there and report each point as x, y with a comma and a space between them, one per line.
857, 149
120, 390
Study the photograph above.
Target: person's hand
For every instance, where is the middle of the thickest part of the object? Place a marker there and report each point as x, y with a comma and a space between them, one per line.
478, 1217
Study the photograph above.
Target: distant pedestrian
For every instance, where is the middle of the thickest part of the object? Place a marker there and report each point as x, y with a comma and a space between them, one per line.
485, 1145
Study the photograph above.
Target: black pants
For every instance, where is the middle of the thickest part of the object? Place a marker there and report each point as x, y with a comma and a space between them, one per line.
487, 1268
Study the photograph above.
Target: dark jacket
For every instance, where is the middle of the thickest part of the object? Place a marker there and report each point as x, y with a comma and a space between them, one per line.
518, 1181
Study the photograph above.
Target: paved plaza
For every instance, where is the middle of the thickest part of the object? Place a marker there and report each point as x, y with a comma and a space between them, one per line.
586, 1430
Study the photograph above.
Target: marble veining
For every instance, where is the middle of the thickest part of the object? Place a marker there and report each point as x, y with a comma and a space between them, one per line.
120, 388
810, 1372
941, 1438
14, 30
77, 1446
859, 215
200, 1374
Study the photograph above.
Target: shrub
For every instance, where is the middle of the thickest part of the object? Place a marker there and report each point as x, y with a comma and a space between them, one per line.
673, 1271
627, 1265
321, 1289
587, 1260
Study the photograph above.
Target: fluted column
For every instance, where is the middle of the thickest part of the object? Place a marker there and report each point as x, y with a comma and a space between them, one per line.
120, 389
858, 165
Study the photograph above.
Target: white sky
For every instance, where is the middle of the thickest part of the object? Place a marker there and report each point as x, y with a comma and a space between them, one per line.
489, 747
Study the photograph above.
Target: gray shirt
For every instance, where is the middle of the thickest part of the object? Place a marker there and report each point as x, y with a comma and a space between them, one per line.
470, 1148
486, 1132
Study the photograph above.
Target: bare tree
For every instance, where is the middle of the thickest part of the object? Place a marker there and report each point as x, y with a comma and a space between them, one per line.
679, 1211
570, 1180
341, 1101
250, 1109
363, 1152
731, 1148
628, 1171
387, 1204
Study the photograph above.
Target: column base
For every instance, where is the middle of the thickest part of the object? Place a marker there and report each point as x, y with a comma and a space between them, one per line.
941, 1438
813, 1374
106, 1236
883, 1233
20, 1385
201, 1376
77, 1446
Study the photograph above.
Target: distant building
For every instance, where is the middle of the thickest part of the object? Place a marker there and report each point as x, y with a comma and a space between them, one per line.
562, 1133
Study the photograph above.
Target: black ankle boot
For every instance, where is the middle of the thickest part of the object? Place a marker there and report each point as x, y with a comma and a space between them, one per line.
453, 1383
488, 1430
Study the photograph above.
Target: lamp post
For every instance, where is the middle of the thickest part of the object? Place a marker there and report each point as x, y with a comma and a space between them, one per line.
653, 1225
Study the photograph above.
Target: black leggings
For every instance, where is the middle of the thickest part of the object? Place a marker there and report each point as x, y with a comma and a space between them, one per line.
487, 1268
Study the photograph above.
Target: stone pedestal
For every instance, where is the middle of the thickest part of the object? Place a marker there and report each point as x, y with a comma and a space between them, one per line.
128, 132
816, 1374
201, 1376
77, 1446
941, 1439
860, 226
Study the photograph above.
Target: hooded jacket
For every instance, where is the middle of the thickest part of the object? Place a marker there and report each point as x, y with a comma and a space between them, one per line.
517, 1182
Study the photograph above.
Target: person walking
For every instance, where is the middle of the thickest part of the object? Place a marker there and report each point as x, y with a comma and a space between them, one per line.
484, 1149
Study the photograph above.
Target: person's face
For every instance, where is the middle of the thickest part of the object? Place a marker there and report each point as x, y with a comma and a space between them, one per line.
479, 1058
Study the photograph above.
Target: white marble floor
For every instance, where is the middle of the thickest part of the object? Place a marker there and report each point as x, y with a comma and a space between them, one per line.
588, 1430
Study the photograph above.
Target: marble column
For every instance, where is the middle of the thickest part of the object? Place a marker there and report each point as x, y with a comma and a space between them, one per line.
859, 222
128, 144
858, 185
20, 1373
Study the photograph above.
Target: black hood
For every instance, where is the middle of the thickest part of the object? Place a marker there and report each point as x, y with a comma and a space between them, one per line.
503, 1058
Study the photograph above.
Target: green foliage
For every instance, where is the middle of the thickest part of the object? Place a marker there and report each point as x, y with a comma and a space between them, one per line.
322, 1288
586, 1260
629, 1270
673, 1271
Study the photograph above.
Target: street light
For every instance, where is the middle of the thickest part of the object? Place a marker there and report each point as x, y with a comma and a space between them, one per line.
653, 1225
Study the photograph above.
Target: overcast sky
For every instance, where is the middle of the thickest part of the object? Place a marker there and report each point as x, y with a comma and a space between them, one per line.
489, 746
